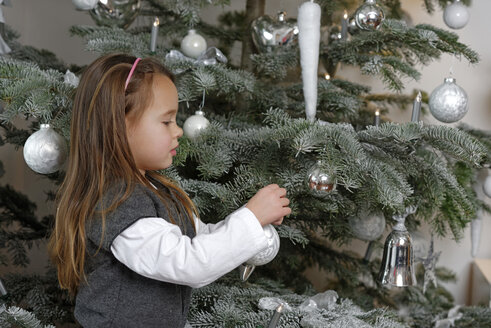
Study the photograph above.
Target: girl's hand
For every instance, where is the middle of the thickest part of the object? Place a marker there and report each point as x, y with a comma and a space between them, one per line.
270, 205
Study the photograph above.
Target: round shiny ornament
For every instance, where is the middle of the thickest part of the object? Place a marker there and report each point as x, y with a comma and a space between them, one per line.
115, 13
45, 151
195, 124
486, 187
268, 254
352, 27
448, 102
369, 227
319, 181
369, 16
269, 34
193, 44
456, 15
85, 4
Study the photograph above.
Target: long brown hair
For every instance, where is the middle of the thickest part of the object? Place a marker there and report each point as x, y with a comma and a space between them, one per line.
100, 156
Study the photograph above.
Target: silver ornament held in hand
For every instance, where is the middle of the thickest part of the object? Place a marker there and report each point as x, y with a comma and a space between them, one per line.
115, 13
45, 151
269, 34
448, 102
195, 124
268, 254
319, 181
369, 16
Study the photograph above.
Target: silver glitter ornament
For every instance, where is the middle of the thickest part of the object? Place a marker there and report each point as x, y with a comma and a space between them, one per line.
195, 124
369, 16
367, 227
45, 151
448, 102
268, 254
269, 34
319, 181
456, 15
115, 13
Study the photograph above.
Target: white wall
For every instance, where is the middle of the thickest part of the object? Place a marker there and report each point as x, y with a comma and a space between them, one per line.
45, 24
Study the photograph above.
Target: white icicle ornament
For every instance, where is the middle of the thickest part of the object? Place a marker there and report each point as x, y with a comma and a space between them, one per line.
309, 27
45, 151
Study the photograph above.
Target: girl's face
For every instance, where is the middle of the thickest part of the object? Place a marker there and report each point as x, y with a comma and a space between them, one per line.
153, 138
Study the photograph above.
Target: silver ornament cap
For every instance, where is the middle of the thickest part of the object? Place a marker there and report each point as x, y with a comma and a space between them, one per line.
195, 124
45, 151
369, 16
269, 253
448, 102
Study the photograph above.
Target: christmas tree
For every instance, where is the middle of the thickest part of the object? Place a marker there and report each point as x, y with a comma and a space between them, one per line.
267, 122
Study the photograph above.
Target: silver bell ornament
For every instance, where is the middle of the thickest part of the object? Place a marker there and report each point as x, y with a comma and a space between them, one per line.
85, 4
193, 44
115, 13
369, 16
45, 151
456, 15
263, 257
195, 124
319, 181
486, 187
397, 267
448, 102
269, 34
368, 227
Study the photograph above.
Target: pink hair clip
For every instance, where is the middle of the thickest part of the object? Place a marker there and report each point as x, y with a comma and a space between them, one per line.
131, 73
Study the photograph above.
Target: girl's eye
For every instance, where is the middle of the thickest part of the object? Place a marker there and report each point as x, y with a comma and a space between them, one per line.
168, 122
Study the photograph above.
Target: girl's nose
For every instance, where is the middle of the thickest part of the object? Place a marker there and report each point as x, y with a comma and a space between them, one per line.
178, 131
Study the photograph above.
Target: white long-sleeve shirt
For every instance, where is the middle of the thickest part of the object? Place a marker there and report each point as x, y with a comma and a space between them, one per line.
157, 249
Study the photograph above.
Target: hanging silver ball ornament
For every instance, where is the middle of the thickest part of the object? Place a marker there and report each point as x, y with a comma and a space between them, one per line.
352, 27
367, 227
369, 16
193, 44
45, 151
456, 15
486, 187
85, 4
195, 124
268, 254
269, 34
319, 181
448, 102
115, 13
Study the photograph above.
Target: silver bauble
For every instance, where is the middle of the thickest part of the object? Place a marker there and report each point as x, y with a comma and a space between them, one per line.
269, 253
269, 33
369, 16
486, 187
195, 124
45, 151
352, 27
115, 13
193, 44
85, 4
448, 102
319, 181
456, 15
369, 227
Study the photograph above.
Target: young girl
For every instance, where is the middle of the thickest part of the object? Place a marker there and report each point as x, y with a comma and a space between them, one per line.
127, 241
